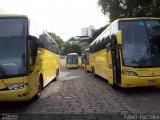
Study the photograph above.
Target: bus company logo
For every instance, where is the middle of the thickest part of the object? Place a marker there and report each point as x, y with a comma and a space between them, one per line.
152, 81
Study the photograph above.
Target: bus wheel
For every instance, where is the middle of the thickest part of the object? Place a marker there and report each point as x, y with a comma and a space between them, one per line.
86, 69
37, 96
115, 86
57, 73
94, 73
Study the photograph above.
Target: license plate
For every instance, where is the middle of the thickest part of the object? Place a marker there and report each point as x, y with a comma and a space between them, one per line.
152, 81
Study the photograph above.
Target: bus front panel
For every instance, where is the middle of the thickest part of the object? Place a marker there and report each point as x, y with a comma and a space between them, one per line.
13, 58
14, 89
140, 52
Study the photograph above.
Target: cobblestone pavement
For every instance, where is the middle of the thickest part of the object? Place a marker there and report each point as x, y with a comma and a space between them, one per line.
78, 92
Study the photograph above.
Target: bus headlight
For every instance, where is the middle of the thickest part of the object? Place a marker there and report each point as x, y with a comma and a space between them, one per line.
129, 73
16, 86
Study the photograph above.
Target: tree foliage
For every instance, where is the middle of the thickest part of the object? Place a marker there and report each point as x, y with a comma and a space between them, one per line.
130, 8
71, 48
72, 39
58, 40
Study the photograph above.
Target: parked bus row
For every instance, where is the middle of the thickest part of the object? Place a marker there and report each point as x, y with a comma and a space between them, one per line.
126, 53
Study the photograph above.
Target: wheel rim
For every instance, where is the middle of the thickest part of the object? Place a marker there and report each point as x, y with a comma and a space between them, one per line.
39, 89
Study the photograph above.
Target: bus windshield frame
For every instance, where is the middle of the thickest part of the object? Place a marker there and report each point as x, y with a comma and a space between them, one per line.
13, 47
141, 43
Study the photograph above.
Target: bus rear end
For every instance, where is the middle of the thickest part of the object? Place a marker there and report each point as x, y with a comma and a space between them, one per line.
72, 60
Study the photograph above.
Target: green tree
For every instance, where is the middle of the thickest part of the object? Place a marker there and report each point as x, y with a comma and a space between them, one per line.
71, 48
58, 40
130, 8
76, 48
72, 39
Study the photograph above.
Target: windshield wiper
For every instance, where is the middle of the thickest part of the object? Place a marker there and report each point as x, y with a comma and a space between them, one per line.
141, 61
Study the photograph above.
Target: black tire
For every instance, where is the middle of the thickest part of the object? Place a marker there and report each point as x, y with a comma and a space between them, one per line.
94, 73
86, 69
57, 73
40, 87
115, 86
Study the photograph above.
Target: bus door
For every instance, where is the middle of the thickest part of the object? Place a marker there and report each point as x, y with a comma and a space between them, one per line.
115, 61
109, 64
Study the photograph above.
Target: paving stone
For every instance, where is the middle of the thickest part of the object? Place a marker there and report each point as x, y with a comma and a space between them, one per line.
78, 92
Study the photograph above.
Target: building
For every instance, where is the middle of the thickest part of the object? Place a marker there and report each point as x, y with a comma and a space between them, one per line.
87, 31
84, 42
86, 34
73, 41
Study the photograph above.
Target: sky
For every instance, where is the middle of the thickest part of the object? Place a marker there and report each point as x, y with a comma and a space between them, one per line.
66, 18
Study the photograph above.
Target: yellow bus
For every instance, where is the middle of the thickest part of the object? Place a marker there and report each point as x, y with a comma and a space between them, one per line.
29, 58
72, 60
127, 53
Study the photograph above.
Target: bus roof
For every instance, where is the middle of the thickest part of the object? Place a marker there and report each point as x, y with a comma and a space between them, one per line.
12, 15
72, 54
121, 19
138, 18
25, 16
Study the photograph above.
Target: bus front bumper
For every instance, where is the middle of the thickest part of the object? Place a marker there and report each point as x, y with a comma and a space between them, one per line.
14, 95
88, 68
72, 65
135, 81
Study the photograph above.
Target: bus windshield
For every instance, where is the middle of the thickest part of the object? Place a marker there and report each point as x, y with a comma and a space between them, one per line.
141, 43
72, 59
13, 47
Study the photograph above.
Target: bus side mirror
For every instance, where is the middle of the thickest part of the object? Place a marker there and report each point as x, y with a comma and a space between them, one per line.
119, 37
33, 45
33, 48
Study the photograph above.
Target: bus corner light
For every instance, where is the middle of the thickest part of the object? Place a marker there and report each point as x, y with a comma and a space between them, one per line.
119, 37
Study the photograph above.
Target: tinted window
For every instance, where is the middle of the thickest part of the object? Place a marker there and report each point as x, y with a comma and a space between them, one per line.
72, 59
135, 43
12, 27
47, 43
101, 42
13, 47
153, 28
141, 41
